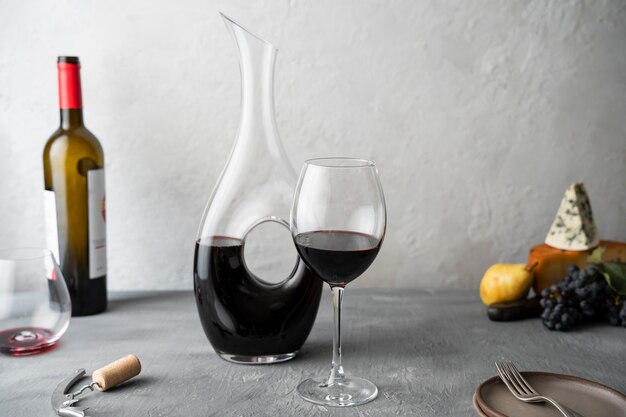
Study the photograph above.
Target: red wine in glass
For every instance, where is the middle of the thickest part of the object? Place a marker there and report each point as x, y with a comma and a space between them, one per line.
35, 306
26, 340
338, 221
337, 256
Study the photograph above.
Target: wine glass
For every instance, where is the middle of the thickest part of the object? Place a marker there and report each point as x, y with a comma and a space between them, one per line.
338, 222
35, 306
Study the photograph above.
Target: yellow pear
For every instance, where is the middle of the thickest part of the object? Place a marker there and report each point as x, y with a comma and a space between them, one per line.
505, 282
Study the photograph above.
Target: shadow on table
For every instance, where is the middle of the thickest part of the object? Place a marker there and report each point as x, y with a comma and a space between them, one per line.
119, 399
395, 343
130, 300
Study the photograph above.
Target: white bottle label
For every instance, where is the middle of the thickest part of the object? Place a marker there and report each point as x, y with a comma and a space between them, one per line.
97, 223
52, 230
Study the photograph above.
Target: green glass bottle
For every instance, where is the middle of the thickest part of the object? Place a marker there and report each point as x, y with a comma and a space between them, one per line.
74, 198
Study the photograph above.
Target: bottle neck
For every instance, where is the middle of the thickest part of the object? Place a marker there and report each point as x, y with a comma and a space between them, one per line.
70, 96
71, 118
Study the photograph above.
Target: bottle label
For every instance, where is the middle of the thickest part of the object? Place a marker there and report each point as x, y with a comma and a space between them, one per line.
52, 231
97, 223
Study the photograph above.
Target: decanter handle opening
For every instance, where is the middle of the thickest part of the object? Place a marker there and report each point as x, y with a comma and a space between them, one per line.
285, 224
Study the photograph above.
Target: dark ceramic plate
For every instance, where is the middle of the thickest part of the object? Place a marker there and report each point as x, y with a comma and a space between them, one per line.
587, 398
477, 407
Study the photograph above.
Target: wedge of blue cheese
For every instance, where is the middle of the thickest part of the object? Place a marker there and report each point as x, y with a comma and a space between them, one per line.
573, 227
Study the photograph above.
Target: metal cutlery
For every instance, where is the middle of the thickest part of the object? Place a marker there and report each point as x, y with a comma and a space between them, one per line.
523, 391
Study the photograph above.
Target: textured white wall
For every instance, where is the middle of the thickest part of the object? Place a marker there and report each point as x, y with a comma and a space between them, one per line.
478, 113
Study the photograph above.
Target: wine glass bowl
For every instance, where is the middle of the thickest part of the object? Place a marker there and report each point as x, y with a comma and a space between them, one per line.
35, 306
339, 256
338, 221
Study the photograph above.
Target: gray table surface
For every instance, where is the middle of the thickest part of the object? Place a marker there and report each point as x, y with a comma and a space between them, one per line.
426, 351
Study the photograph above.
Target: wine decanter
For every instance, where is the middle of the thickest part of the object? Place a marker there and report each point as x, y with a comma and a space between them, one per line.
254, 309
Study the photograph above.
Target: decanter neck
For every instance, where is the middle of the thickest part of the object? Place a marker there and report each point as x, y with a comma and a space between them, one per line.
257, 87
256, 62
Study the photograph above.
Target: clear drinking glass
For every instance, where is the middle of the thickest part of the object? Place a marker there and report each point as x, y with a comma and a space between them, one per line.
35, 306
338, 222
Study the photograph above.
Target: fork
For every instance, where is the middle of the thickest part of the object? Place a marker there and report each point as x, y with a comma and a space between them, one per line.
522, 390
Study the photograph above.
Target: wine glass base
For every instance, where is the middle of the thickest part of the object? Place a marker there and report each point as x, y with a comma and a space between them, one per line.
257, 360
25, 341
348, 392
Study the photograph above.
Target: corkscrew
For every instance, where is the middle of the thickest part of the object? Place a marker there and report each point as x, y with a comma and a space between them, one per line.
64, 402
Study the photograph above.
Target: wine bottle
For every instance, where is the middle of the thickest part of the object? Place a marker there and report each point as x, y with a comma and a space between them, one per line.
74, 198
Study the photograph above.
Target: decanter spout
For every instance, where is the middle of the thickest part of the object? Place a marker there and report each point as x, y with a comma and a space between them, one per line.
244, 38
257, 59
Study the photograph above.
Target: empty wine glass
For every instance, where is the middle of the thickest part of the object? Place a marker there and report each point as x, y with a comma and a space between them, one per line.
338, 222
35, 306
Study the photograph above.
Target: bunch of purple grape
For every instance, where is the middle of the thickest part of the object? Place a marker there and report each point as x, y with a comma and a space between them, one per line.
583, 295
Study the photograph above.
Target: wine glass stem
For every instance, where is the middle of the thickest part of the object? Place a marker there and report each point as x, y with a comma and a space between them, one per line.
336, 372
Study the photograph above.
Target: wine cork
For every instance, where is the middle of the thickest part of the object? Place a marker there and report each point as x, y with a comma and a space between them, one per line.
117, 372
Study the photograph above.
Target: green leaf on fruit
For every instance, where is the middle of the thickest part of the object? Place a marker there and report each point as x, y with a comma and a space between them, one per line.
596, 255
615, 274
